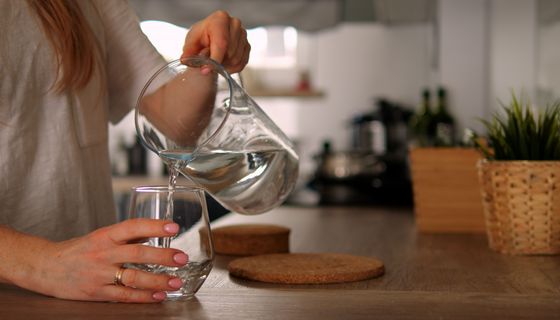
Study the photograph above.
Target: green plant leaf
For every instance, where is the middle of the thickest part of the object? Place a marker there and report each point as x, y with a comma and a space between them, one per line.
523, 133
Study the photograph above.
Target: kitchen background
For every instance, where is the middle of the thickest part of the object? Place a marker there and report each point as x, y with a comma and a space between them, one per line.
317, 65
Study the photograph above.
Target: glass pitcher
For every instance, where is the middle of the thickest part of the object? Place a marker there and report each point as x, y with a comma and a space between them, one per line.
204, 125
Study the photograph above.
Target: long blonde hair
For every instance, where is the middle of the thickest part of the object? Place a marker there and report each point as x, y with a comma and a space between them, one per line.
72, 40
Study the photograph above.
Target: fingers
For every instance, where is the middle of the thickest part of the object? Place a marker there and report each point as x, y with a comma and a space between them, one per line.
224, 36
138, 287
241, 60
235, 37
136, 253
213, 33
132, 229
144, 280
219, 35
127, 294
195, 41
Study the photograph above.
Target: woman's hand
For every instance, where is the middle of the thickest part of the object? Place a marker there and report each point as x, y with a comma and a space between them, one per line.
224, 37
85, 268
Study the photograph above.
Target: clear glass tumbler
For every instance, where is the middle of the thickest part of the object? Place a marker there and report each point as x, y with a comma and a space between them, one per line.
186, 206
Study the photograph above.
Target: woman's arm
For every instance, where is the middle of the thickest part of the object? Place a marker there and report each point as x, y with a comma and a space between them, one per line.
84, 268
182, 108
15, 252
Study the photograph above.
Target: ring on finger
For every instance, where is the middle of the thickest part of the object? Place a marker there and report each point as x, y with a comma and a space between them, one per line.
117, 279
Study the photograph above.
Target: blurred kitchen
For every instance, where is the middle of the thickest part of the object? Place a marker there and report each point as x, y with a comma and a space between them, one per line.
345, 78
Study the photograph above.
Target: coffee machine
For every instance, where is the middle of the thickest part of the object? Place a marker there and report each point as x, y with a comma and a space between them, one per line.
374, 171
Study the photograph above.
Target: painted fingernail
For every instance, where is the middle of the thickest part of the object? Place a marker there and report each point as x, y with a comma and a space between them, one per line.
171, 228
205, 70
180, 258
175, 283
159, 296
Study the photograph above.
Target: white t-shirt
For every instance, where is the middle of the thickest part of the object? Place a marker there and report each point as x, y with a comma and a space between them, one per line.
55, 178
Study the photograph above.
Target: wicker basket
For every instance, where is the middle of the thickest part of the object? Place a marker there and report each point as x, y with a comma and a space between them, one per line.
521, 201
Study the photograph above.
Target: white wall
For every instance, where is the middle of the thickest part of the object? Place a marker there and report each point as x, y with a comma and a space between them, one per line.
486, 49
483, 49
513, 50
354, 64
548, 71
463, 58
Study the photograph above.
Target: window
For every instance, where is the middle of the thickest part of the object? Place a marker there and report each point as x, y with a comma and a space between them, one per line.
271, 47
166, 37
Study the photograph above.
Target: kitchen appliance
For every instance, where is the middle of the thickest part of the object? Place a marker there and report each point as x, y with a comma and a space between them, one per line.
375, 170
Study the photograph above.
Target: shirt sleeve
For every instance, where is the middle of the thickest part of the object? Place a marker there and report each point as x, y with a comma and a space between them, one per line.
130, 57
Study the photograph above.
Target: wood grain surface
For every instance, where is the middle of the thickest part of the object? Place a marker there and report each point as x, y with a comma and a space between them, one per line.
428, 276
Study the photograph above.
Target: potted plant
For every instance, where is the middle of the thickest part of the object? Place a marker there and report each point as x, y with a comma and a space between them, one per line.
520, 179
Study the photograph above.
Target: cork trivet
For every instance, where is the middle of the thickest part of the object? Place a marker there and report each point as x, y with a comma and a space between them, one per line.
250, 239
306, 268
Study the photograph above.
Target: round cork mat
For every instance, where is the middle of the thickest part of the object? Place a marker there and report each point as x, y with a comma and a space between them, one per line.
306, 268
250, 239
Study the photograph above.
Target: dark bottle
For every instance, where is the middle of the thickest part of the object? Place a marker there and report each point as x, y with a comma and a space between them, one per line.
422, 124
119, 158
137, 159
444, 122
326, 148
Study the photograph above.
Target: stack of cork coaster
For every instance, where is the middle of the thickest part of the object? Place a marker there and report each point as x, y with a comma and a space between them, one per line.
250, 239
267, 259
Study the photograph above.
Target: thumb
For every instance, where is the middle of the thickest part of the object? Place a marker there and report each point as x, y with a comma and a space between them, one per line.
204, 52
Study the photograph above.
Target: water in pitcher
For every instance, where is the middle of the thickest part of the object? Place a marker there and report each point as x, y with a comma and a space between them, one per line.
246, 182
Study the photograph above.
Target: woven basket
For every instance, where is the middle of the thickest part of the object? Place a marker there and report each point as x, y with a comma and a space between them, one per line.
521, 202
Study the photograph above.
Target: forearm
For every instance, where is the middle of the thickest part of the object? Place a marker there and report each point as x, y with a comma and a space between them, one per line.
84, 268
181, 109
20, 256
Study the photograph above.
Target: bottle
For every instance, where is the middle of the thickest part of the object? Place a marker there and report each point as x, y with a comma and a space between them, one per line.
120, 157
422, 125
444, 122
137, 159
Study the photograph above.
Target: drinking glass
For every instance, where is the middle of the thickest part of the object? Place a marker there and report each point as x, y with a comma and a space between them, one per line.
186, 206
206, 127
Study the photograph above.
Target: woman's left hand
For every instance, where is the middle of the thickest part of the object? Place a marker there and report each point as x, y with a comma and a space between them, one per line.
224, 37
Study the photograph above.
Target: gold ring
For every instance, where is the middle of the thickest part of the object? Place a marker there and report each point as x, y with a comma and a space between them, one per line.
117, 280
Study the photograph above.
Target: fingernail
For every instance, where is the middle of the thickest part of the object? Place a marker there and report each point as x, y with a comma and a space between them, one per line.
159, 296
205, 70
180, 258
175, 283
171, 228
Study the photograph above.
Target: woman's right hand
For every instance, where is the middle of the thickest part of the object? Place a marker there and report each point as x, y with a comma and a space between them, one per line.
85, 268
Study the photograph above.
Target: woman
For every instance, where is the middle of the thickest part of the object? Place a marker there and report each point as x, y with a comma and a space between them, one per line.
66, 69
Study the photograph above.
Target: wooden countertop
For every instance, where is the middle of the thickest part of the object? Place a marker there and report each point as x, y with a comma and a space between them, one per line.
427, 277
